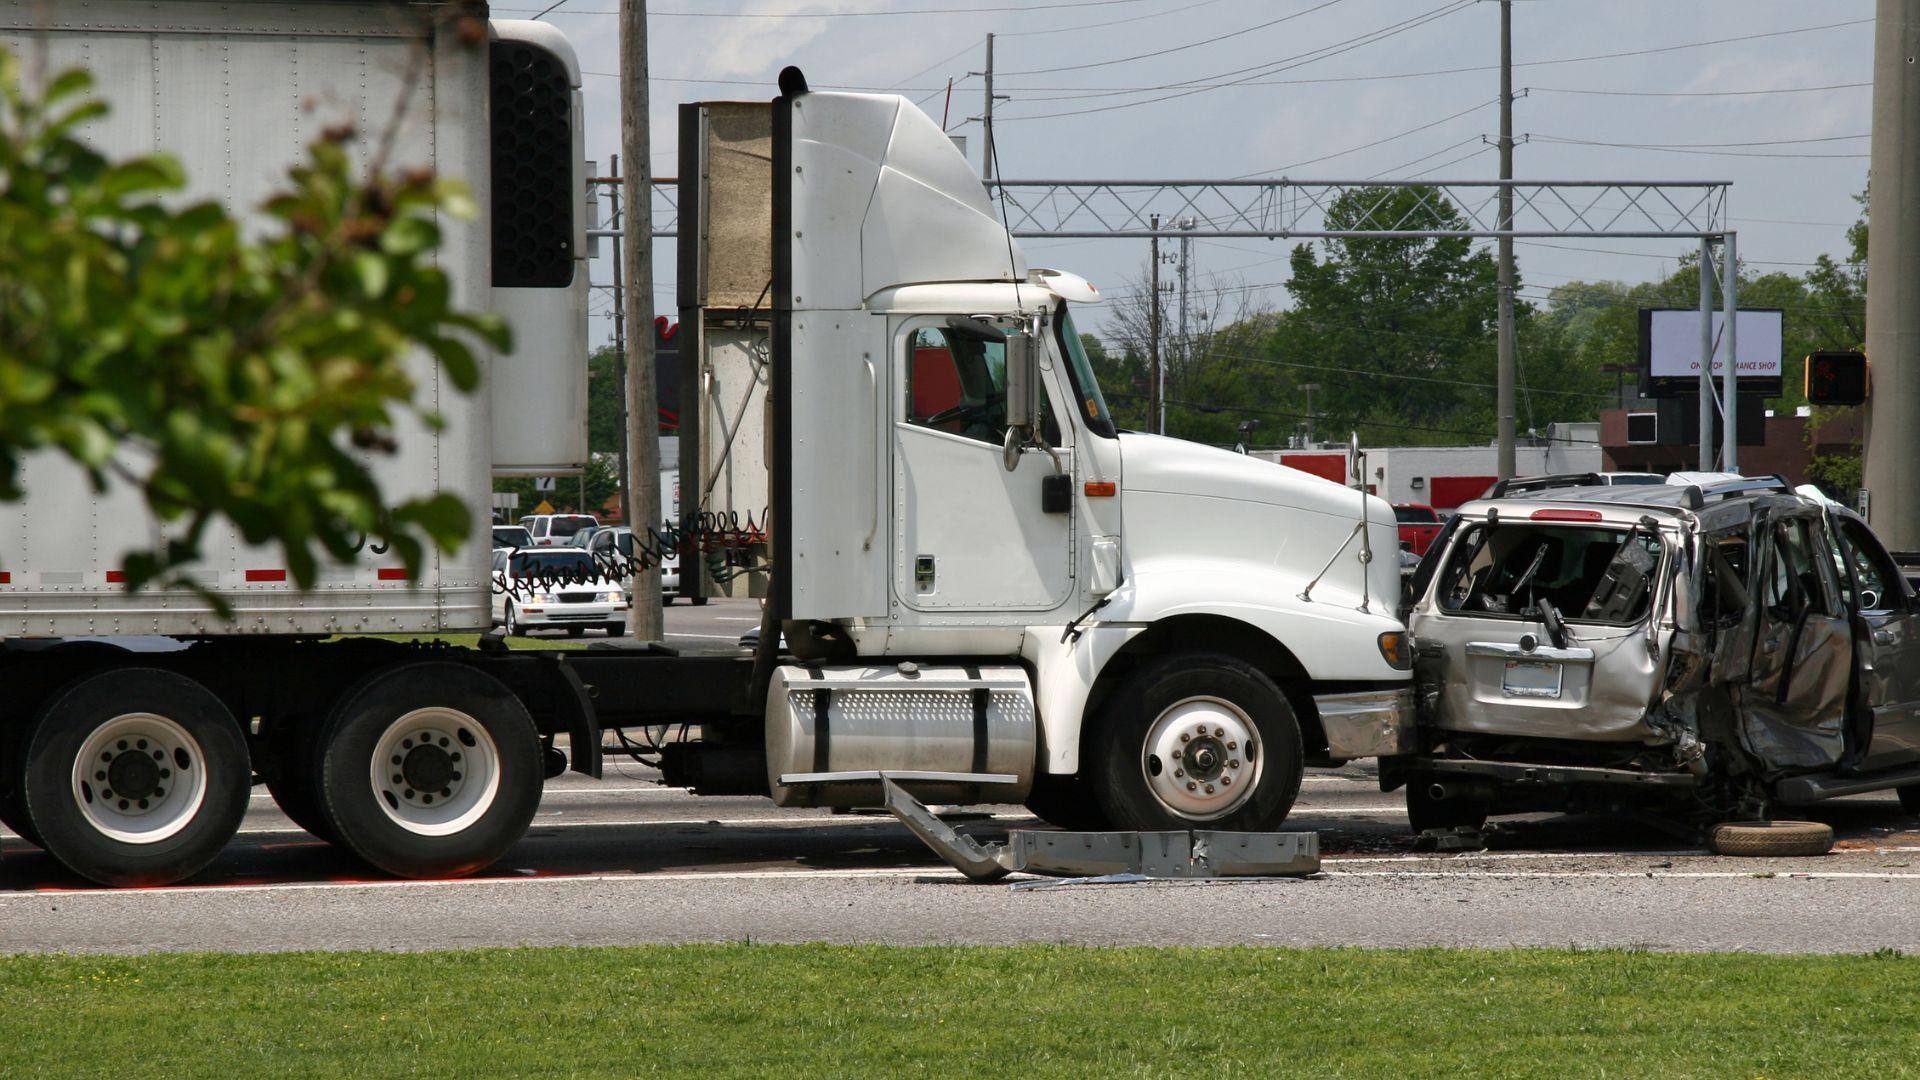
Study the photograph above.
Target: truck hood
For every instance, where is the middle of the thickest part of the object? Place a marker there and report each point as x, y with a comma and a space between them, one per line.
1190, 508
1177, 467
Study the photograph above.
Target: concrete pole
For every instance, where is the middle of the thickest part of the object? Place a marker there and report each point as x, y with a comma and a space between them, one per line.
1893, 279
986, 120
1729, 379
643, 404
1508, 366
1706, 355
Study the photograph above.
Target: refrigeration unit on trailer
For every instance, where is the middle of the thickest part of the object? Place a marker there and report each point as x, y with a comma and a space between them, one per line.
975, 583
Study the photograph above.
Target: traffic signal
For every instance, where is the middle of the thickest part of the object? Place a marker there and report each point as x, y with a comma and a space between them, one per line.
1836, 378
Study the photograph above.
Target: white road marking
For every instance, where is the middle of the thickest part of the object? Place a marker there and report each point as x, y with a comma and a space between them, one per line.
735, 618
1809, 875
529, 879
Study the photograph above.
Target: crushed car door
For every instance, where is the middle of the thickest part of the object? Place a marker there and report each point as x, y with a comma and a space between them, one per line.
1890, 655
1793, 702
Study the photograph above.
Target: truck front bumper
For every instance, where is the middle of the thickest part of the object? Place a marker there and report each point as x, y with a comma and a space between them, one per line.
1369, 723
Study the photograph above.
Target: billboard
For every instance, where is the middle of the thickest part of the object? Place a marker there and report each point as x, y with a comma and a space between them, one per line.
1670, 351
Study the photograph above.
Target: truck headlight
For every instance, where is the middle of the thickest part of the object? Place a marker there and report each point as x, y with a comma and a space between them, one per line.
1396, 650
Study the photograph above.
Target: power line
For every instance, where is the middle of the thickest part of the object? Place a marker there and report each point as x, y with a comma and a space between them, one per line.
1369, 145
1189, 87
1179, 48
1697, 93
783, 15
1109, 91
1709, 153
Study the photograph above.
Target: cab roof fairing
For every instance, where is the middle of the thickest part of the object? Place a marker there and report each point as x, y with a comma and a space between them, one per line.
879, 187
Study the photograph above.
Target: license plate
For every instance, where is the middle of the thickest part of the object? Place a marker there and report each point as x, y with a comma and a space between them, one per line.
1531, 678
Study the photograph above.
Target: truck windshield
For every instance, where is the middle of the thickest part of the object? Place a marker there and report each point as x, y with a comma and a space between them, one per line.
1085, 386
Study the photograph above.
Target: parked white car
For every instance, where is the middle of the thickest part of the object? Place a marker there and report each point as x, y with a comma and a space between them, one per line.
605, 540
537, 590
556, 530
511, 536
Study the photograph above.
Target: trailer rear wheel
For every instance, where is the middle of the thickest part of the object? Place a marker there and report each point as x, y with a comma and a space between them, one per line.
13, 779
293, 774
1198, 739
430, 770
1909, 798
136, 776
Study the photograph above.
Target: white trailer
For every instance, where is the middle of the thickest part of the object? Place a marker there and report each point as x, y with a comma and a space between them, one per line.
976, 585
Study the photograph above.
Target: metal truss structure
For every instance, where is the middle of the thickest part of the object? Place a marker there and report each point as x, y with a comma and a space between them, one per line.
1288, 209
1297, 209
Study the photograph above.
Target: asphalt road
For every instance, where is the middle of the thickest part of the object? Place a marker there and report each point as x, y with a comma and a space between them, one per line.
622, 861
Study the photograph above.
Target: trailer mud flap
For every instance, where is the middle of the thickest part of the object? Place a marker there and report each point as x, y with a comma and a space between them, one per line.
1196, 853
578, 717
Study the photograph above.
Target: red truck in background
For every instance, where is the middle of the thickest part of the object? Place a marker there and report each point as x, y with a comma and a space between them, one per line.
1418, 526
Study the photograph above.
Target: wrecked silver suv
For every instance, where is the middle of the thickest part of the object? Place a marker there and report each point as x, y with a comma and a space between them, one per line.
1701, 652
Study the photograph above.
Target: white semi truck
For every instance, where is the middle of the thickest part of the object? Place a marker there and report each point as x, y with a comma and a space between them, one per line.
975, 583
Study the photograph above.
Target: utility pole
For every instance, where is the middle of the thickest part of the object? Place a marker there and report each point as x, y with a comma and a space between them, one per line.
1186, 253
643, 405
620, 346
1893, 289
1507, 376
986, 120
1156, 375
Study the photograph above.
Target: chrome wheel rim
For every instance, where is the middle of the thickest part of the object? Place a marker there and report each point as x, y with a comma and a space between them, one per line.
435, 771
1202, 758
139, 778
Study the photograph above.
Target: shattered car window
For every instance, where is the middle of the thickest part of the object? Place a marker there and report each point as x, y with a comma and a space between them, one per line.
1724, 599
1588, 574
1880, 585
1793, 579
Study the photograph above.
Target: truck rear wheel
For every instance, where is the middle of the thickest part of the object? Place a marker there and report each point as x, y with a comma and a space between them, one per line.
13, 776
430, 770
136, 776
1198, 739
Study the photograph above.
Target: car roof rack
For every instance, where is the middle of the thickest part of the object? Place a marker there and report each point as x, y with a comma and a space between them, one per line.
1698, 494
1517, 485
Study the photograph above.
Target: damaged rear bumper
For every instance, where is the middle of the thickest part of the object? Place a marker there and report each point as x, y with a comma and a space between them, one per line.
1369, 723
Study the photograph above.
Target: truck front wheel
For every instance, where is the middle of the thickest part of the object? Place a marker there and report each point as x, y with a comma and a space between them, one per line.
430, 770
1198, 739
136, 777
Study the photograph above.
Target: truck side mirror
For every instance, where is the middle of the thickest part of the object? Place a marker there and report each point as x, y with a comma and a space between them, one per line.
1023, 390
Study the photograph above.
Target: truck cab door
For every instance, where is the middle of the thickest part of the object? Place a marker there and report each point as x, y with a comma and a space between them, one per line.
970, 534
1890, 656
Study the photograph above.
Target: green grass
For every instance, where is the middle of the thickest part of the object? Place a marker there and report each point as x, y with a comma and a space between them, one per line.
873, 1011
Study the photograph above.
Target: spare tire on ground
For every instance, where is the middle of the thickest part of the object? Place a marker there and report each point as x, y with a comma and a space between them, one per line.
1772, 838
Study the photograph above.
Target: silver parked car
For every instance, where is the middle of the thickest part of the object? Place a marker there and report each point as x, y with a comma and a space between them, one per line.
1708, 652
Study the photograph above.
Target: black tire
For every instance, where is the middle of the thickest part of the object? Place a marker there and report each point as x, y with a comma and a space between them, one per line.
74, 715
13, 765
353, 808
697, 601
576, 631
1909, 798
1119, 761
1426, 812
293, 773
511, 624
616, 629
1067, 802
1771, 838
